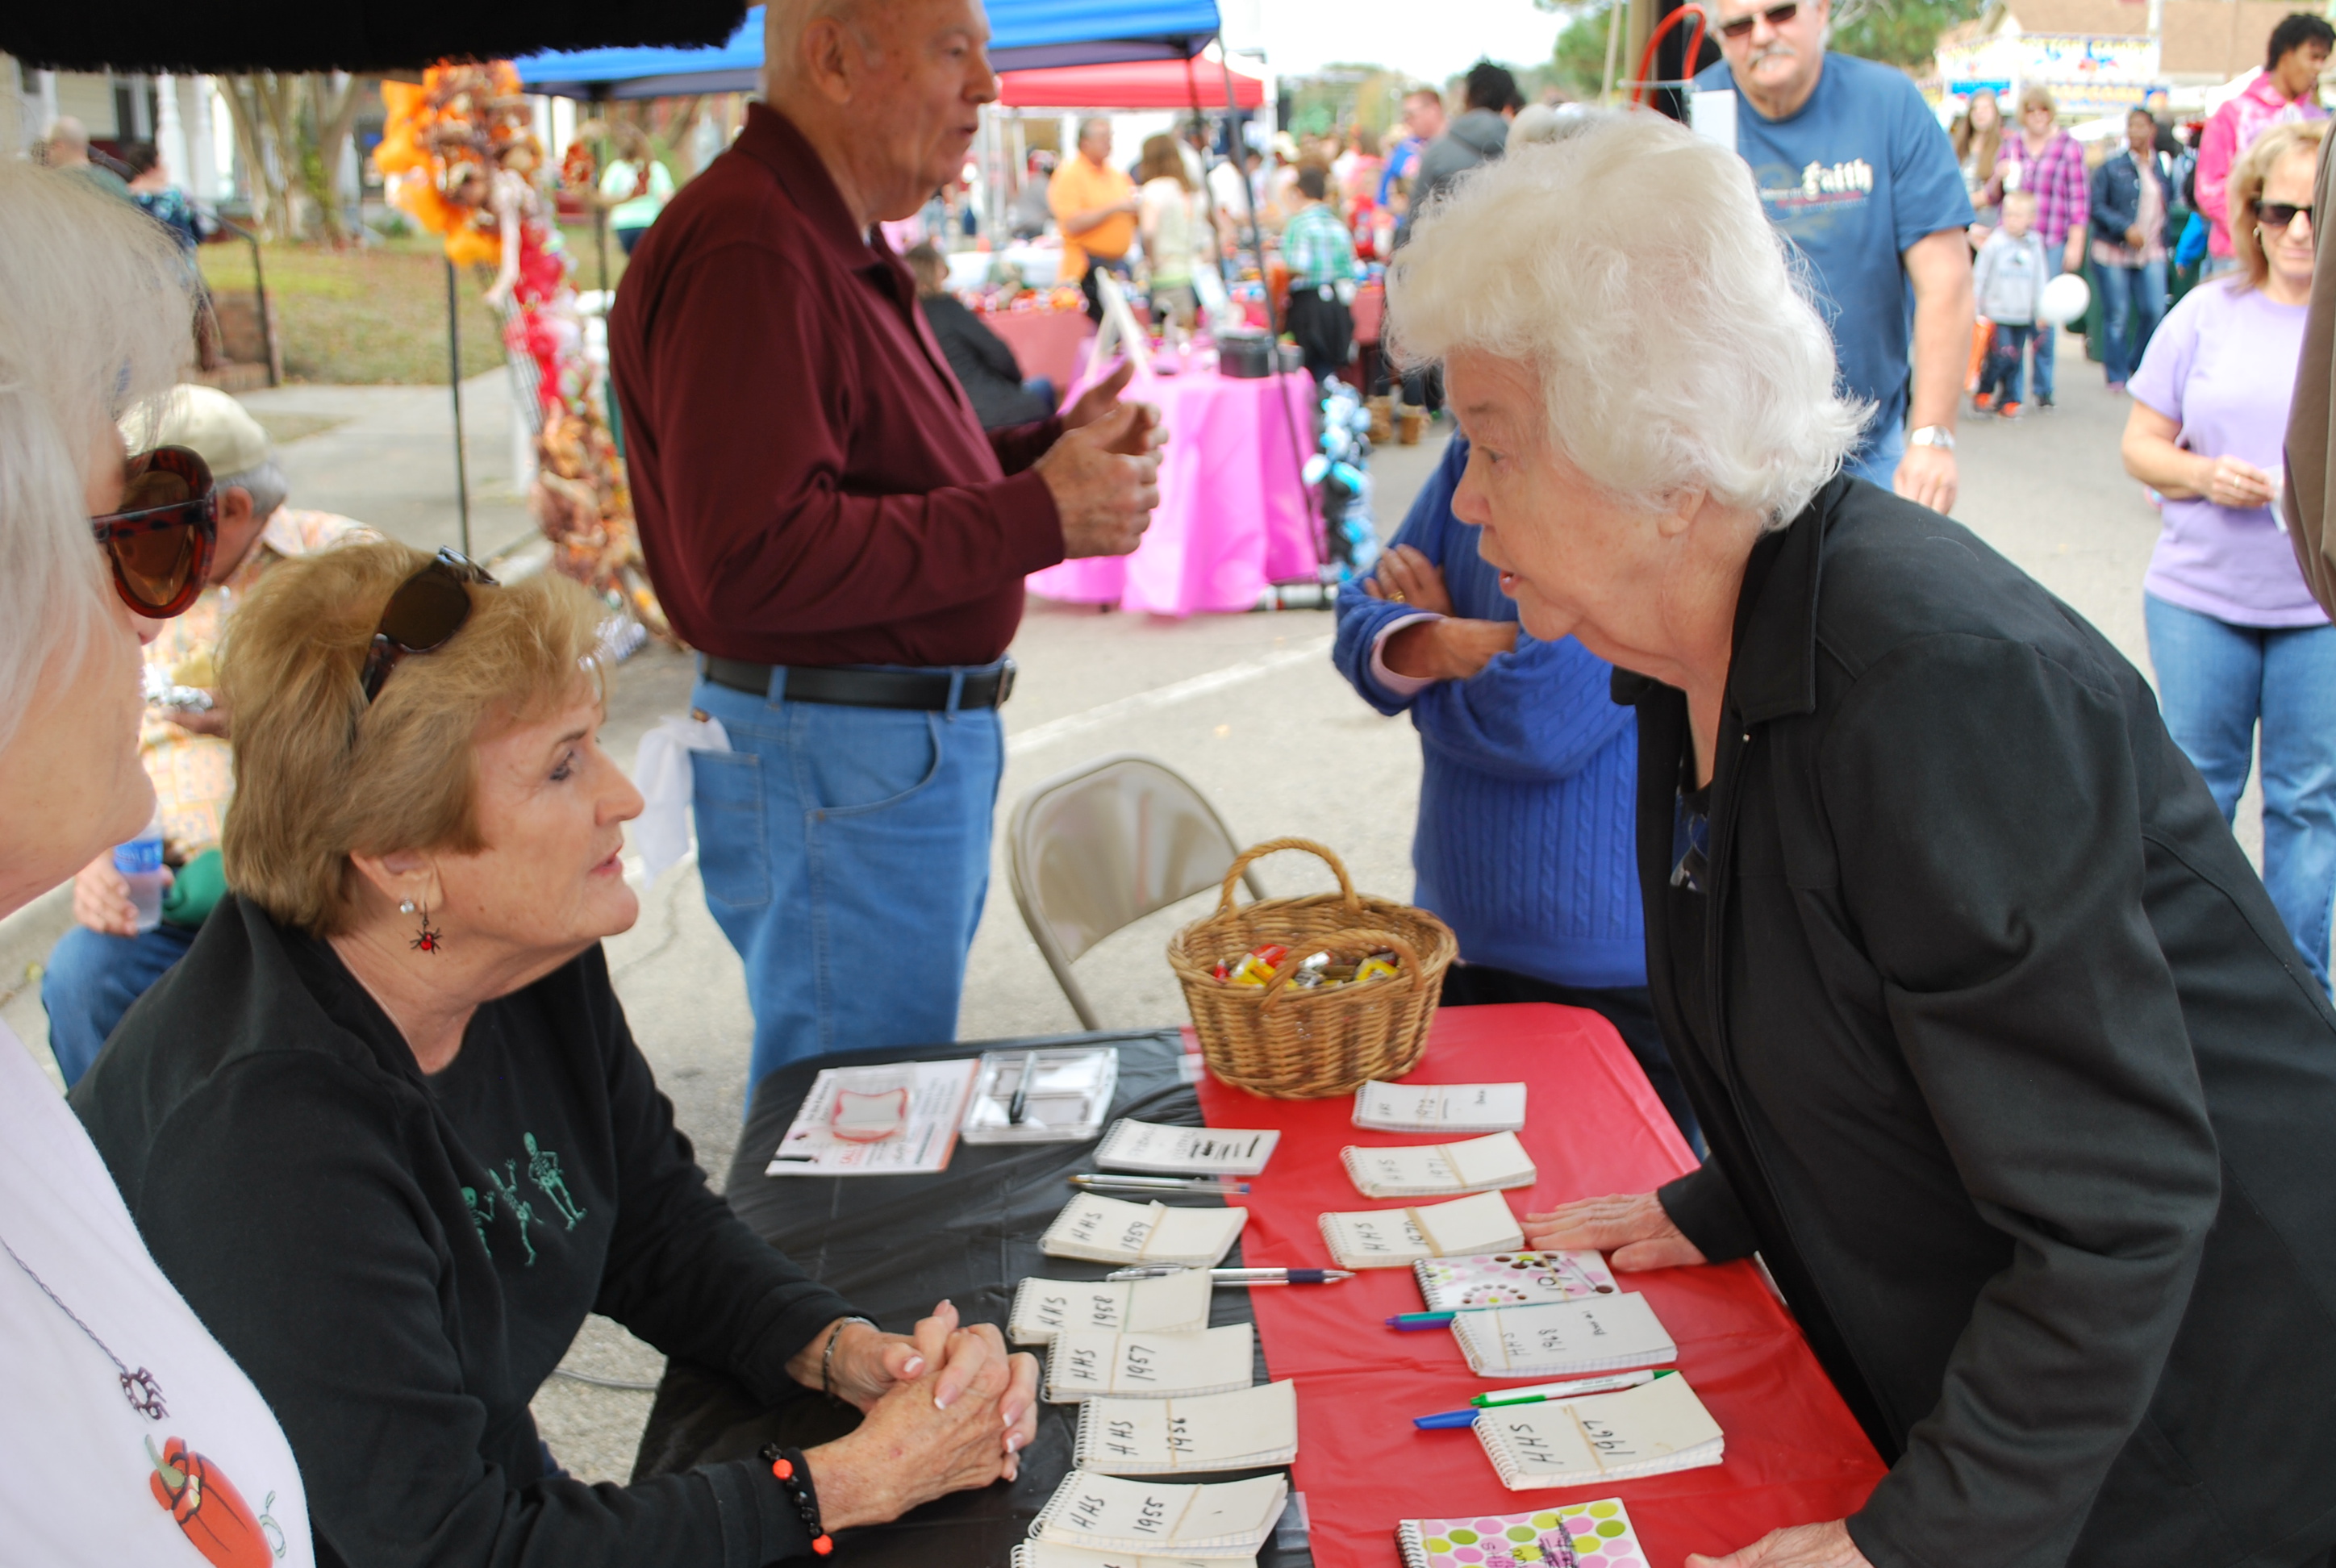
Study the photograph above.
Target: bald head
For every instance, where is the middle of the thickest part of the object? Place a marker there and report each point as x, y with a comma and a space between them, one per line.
68, 144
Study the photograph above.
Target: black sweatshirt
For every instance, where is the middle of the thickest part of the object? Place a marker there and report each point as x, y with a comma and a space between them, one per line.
399, 1262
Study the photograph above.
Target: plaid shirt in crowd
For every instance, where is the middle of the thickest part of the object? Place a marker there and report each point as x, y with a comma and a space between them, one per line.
2057, 175
1318, 249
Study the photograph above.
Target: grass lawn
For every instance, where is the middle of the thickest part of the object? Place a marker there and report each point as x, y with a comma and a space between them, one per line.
379, 315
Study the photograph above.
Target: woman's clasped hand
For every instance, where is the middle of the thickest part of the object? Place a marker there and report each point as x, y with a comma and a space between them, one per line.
946, 1408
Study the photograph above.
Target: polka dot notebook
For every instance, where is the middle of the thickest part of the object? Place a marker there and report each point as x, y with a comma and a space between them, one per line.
1576, 1536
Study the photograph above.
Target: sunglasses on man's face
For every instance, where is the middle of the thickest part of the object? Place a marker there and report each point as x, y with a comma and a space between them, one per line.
2277, 215
423, 616
160, 543
1736, 27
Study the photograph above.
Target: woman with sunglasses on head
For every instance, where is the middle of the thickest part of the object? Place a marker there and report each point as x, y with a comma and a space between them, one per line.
130, 1435
2237, 640
385, 1123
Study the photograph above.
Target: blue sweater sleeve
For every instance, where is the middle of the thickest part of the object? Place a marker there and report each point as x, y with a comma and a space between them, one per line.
1536, 713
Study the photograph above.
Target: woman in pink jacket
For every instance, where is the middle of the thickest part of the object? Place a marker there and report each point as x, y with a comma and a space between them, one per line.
2288, 89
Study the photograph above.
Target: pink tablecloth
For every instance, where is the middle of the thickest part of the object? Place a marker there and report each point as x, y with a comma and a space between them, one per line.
1232, 515
1047, 343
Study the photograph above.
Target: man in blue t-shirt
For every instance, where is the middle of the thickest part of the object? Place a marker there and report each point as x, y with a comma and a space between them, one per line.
1855, 170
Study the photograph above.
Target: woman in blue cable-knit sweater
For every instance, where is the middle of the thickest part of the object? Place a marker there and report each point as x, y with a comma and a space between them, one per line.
1527, 800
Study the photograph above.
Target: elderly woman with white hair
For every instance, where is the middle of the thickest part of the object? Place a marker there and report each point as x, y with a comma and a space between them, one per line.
129, 1434
2008, 1070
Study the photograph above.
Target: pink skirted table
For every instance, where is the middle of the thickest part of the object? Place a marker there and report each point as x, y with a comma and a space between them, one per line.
1048, 343
1232, 515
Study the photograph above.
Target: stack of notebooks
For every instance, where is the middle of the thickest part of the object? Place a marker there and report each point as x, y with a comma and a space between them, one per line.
1174, 1303
1227, 1521
1572, 1536
1083, 1363
1511, 1279
1390, 1238
1247, 1430
1106, 1230
1564, 1339
1155, 1149
1441, 1107
1649, 1430
1485, 1165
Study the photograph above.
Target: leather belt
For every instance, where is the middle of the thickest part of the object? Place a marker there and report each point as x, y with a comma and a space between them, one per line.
926, 689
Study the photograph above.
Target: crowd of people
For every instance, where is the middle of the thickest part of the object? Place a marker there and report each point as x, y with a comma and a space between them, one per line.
1921, 909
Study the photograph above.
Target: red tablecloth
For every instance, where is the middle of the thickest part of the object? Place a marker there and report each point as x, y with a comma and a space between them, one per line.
1795, 1454
1045, 342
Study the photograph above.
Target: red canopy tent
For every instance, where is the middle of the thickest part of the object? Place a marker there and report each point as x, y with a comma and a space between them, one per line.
1129, 84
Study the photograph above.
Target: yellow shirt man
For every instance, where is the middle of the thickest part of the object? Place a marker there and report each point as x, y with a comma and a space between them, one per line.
1093, 202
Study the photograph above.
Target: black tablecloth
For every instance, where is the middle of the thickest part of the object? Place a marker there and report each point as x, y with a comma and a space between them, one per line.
894, 1246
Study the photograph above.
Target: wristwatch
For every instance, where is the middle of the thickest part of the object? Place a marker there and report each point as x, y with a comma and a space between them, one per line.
1937, 435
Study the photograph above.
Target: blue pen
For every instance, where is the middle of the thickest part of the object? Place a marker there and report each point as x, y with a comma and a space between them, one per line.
1445, 1420
1407, 1321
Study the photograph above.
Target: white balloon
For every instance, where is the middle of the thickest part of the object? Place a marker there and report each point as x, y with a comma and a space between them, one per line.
2066, 299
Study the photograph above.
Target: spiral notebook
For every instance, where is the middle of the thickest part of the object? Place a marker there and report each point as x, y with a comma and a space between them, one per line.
1441, 1107
1247, 1430
1564, 1339
1041, 1554
1649, 1430
1571, 1535
1228, 1519
1391, 1238
1511, 1279
1174, 1303
1159, 1149
1108, 1230
1484, 1164
1082, 1363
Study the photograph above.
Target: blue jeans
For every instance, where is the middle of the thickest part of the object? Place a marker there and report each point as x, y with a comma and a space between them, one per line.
2001, 373
2047, 334
2214, 682
90, 982
845, 853
2134, 294
1885, 449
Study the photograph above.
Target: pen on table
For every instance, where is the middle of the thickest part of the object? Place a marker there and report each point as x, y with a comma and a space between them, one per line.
1543, 1392
1447, 1420
1226, 1277
1407, 1321
1020, 1102
1114, 1183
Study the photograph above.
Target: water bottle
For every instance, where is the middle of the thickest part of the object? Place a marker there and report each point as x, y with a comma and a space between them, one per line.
140, 863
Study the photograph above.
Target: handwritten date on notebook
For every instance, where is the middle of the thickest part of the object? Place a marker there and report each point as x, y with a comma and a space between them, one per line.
1041, 1554
1149, 1366
1106, 1230
1229, 1519
1564, 1339
1441, 1107
1486, 1164
1174, 1303
1245, 1431
1649, 1430
1395, 1237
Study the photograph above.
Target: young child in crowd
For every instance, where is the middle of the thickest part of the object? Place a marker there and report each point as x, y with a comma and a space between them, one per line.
2007, 282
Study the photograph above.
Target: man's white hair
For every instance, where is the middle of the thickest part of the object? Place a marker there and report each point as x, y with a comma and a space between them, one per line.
784, 22
1630, 268
96, 319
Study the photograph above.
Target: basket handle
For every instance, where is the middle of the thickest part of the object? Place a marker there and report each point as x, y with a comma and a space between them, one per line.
1271, 846
1407, 972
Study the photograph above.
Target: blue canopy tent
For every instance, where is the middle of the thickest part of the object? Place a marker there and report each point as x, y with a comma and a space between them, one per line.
1025, 34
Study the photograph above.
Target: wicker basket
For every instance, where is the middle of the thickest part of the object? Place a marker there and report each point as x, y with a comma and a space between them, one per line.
1295, 1044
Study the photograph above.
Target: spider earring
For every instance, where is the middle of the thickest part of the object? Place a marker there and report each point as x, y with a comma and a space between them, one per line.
428, 939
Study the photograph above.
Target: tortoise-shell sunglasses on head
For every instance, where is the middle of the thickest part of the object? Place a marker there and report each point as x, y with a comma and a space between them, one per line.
160, 543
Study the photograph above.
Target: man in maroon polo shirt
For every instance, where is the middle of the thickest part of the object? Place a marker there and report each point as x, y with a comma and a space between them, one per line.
827, 523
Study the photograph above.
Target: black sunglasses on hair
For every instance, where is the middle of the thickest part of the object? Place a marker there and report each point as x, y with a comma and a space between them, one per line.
1776, 16
2278, 215
160, 543
423, 616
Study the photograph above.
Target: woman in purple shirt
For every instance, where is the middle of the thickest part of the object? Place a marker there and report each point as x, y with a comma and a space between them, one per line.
2234, 632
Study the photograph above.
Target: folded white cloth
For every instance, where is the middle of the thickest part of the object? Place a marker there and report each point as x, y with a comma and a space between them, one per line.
661, 771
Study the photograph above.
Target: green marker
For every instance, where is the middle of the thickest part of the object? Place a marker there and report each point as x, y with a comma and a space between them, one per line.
1548, 1392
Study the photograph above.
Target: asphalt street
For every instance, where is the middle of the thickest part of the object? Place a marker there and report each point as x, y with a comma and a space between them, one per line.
1247, 706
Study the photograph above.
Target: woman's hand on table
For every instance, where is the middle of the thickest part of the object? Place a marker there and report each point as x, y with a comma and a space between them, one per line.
1802, 1547
961, 1423
1632, 1230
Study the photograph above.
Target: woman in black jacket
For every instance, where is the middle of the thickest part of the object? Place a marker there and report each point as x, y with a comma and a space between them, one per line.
2008, 1070
385, 1129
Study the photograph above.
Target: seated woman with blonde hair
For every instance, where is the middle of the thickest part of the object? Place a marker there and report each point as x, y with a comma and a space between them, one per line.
387, 1129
